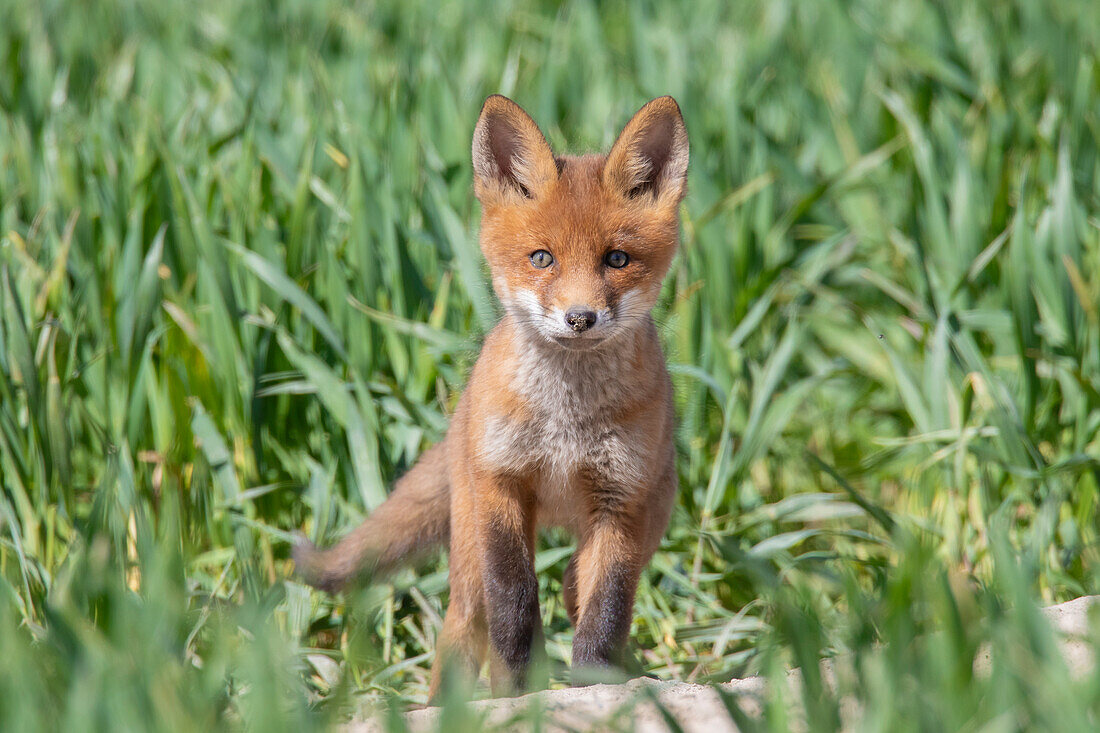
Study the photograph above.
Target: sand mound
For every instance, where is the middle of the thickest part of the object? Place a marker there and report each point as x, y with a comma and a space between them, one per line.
696, 708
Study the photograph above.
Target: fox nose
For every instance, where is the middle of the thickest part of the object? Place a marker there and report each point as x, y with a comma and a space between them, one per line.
580, 319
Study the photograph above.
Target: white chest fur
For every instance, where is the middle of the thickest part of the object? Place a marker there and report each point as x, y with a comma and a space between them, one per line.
572, 429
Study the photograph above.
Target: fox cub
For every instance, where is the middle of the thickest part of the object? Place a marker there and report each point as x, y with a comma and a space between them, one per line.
567, 419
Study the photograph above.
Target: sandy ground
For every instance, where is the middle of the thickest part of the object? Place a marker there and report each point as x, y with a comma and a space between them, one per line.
696, 708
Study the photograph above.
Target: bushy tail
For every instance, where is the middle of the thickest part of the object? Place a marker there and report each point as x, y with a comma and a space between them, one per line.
414, 519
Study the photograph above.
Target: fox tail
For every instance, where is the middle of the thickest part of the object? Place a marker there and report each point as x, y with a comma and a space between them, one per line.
414, 520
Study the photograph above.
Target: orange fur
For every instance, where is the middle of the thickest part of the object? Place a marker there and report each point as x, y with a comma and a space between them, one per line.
567, 419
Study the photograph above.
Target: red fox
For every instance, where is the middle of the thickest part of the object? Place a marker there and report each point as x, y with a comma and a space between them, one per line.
568, 416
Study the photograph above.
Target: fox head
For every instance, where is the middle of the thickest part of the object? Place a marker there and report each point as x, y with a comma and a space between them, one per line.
578, 245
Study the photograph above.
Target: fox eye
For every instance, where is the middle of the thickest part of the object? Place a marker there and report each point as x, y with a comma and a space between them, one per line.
616, 258
541, 258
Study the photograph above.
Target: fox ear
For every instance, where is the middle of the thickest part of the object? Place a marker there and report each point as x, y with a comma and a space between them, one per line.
650, 158
511, 157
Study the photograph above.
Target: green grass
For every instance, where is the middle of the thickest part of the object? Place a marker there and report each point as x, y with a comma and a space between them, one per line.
240, 292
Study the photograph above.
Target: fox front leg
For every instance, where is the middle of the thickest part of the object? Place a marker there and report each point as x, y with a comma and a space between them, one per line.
507, 539
608, 564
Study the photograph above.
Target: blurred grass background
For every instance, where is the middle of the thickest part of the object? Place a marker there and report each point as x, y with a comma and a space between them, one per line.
240, 292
